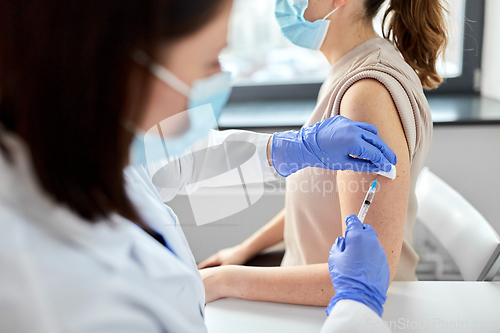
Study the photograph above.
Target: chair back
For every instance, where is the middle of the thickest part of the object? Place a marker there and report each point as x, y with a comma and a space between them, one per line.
469, 239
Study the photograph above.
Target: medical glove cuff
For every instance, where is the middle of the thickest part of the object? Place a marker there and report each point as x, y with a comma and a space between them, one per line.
373, 301
290, 152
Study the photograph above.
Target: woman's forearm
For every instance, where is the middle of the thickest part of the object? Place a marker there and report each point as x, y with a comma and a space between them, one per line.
309, 285
269, 235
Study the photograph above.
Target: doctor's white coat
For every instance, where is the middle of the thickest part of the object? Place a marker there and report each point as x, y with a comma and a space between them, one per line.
59, 273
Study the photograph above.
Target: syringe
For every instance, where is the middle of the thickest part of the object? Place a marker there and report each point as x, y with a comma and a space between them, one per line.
368, 200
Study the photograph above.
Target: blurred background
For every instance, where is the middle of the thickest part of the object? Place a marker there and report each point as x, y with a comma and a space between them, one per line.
276, 88
258, 53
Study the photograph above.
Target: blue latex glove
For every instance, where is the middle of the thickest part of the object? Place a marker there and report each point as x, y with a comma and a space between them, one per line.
358, 267
328, 145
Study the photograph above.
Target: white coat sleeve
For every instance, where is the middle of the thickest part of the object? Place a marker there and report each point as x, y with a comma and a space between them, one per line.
208, 160
349, 316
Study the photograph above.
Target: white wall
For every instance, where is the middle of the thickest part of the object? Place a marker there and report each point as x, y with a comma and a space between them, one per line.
468, 158
490, 85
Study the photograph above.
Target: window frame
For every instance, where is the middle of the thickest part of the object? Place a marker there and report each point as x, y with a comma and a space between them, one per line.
467, 83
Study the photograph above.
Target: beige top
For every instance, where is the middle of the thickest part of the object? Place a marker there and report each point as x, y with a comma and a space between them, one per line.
313, 220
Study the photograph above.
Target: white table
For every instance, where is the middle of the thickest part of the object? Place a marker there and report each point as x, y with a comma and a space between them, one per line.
433, 306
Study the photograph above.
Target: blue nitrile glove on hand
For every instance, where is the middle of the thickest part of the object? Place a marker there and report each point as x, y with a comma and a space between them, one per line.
328, 145
358, 267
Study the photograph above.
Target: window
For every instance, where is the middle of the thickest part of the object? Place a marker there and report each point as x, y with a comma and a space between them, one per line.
260, 57
259, 54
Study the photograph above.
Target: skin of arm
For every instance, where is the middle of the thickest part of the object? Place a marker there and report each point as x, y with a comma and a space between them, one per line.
268, 149
308, 284
369, 101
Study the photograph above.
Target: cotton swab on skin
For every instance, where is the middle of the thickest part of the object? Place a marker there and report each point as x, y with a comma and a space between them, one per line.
391, 174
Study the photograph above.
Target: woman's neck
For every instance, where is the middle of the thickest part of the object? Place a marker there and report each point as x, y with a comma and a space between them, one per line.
342, 38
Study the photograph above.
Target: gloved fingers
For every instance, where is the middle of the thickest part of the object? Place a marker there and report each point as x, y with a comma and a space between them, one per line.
369, 230
339, 245
368, 227
369, 237
353, 223
367, 127
376, 141
371, 153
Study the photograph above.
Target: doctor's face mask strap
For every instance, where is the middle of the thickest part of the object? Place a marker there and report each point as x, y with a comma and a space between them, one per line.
216, 186
214, 89
68, 102
221, 166
206, 100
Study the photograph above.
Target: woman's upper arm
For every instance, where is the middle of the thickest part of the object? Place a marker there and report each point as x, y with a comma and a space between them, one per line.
369, 101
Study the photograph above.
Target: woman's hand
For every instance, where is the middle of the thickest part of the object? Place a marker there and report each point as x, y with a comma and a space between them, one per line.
236, 255
218, 281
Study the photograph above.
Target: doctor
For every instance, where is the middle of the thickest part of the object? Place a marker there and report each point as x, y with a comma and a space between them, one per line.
84, 246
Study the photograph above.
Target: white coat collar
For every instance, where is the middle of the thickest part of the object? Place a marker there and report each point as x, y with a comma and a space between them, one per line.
156, 214
21, 193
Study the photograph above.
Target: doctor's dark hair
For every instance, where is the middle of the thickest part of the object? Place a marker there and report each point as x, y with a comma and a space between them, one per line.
418, 29
64, 83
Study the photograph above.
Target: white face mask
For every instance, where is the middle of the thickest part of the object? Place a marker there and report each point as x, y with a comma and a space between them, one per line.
207, 98
290, 17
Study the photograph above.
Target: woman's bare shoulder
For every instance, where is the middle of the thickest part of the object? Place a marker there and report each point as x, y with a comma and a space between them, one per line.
368, 100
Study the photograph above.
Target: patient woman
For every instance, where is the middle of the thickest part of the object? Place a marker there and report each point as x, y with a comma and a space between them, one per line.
373, 79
